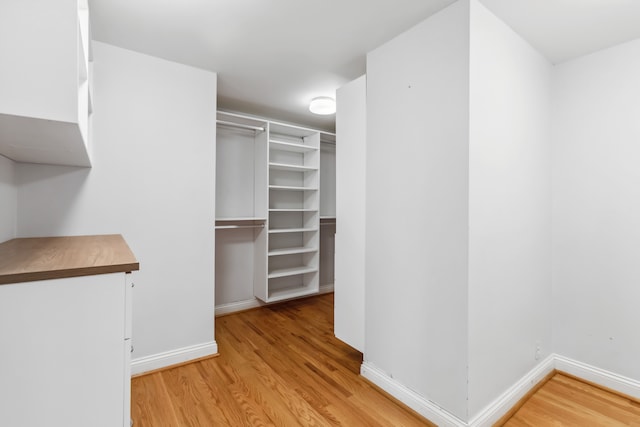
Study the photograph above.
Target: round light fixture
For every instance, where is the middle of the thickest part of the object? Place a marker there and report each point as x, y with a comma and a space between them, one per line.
323, 105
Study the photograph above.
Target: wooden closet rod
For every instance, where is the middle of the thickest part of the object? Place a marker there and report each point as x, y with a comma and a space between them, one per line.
240, 125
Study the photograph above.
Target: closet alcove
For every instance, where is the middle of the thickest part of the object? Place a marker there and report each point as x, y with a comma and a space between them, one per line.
275, 212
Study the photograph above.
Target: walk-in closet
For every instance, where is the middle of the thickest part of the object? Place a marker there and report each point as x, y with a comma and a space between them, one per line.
275, 212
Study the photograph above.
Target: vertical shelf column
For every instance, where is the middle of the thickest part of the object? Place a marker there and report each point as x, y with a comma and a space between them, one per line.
293, 214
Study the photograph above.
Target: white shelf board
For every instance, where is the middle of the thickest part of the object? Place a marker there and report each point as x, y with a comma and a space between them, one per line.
291, 251
290, 188
290, 130
292, 230
294, 271
288, 293
240, 219
292, 168
291, 146
293, 210
326, 217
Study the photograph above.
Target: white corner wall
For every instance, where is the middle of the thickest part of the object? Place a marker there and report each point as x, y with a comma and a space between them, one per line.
509, 208
596, 209
417, 208
351, 148
8, 200
153, 181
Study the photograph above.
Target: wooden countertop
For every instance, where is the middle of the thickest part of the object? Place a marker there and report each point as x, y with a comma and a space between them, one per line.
42, 258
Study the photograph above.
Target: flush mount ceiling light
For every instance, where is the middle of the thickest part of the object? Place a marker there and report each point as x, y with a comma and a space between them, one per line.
323, 105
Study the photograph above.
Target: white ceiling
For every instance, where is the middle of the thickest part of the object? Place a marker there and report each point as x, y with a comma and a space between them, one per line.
566, 29
273, 56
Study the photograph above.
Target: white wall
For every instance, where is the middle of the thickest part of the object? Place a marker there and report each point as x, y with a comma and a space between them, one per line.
509, 208
417, 206
351, 148
596, 209
153, 181
8, 200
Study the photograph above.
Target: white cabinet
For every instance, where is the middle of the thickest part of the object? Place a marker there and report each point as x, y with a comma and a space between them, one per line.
61, 352
350, 212
45, 99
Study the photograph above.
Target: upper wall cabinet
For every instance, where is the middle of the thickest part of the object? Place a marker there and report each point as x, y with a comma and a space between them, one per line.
45, 100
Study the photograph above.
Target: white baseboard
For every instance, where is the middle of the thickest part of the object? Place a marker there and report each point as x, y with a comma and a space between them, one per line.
168, 358
248, 304
325, 289
598, 376
233, 307
424, 407
501, 405
507, 400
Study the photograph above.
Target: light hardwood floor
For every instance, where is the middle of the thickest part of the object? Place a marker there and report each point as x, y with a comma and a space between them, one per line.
565, 401
280, 366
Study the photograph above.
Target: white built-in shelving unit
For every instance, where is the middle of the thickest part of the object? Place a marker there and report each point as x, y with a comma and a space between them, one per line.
241, 204
294, 219
268, 229
46, 100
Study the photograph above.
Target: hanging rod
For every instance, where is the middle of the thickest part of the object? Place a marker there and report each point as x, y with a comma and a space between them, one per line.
240, 125
227, 227
327, 223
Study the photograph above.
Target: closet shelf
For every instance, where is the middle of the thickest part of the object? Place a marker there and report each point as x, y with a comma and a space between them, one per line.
240, 219
234, 227
290, 188
292, 230
293, 210
295, 271
291, 168
291, 251
291, 146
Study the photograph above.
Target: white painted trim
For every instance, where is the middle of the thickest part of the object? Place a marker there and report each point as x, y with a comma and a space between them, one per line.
604, 378
233, 307
507, 400
424, 407
501, 405
248, 304
173, 357
325, 289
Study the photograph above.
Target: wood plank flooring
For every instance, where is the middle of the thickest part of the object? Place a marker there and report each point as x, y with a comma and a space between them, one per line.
565, 401
279, 366
282, 366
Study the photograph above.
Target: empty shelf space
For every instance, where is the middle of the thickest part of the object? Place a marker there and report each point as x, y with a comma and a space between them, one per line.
288, 293
292, 168
292, 230
284, 272
291, 251
291, 146
291, 188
